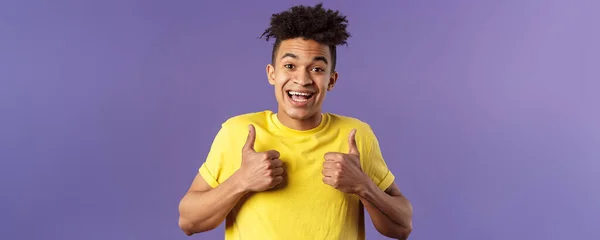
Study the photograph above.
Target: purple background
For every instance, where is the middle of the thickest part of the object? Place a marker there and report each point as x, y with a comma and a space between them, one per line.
487, 111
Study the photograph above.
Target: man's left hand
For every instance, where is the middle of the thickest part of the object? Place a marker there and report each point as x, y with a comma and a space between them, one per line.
343, 171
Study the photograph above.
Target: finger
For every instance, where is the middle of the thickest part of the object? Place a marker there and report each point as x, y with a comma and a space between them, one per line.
272, 154
328, 172
333, 156
277, 171
330, 165
249, 146
328, 156
329, 181
353, 149
277, 180
275, 163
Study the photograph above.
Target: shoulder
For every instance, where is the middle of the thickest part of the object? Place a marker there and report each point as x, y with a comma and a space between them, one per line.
365, 136
242, 121
348, 123
233, 131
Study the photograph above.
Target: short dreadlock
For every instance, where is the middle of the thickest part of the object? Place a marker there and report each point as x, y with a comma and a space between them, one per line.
324, 26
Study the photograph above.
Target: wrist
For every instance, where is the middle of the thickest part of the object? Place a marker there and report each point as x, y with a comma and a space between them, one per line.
239, 183
366, 189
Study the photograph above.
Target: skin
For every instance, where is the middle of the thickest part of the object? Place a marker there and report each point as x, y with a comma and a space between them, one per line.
390, 211
204, 208
300, 65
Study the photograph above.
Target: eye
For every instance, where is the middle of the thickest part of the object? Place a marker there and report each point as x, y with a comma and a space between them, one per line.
317, 69
290, 66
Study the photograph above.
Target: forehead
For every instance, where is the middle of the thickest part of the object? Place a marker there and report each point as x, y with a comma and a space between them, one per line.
303, 48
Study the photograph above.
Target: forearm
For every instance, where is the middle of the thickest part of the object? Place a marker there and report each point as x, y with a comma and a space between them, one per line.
204, 211
391, 215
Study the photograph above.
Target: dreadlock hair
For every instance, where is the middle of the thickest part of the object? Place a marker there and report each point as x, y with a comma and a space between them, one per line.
324, 26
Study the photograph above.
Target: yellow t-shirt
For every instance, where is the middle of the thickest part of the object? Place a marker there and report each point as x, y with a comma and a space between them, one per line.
305, 208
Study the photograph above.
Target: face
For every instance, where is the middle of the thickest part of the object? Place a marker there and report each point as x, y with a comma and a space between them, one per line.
301, 76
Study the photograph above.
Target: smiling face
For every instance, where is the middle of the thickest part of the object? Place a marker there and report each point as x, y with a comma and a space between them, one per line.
301, 77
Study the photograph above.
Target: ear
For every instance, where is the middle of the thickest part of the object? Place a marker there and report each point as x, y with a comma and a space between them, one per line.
332, 80
271, 74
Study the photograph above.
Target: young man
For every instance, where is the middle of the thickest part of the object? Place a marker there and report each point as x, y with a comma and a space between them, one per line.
298, 173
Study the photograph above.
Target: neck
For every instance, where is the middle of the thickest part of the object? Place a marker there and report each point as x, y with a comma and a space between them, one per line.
300, 125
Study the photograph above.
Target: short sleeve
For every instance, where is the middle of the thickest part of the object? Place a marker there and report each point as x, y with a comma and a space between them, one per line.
213, 170
374, 164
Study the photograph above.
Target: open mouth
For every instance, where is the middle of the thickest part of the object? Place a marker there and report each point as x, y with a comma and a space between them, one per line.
297, 96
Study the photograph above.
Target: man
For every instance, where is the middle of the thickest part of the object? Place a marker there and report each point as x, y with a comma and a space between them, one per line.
298, 173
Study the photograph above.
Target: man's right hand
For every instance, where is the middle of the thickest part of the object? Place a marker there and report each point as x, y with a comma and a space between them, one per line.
259, 171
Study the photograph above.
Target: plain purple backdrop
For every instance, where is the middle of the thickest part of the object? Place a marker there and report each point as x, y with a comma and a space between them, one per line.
488, 112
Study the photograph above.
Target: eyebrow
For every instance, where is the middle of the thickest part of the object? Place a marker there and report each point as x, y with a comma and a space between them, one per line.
317, 58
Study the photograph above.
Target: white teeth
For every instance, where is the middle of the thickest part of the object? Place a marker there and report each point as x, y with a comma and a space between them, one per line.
299, 93
299, 100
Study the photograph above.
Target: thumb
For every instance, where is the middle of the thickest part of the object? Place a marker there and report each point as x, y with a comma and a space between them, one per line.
249, 146
353, 149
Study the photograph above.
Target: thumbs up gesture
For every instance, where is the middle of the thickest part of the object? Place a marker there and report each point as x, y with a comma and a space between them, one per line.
343, 171
259, 171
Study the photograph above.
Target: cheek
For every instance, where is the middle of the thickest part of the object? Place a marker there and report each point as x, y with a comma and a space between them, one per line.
281, 80
278, 85
323, 84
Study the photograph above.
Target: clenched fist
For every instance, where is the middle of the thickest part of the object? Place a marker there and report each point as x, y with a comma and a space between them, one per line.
259, 171
343, 171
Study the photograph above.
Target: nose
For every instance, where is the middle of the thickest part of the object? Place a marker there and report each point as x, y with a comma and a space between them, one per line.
303, 79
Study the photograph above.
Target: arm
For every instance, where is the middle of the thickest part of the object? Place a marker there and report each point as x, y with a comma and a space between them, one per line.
390, 211
204, 208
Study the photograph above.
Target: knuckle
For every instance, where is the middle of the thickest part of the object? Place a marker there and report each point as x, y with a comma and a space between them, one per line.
264, 167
